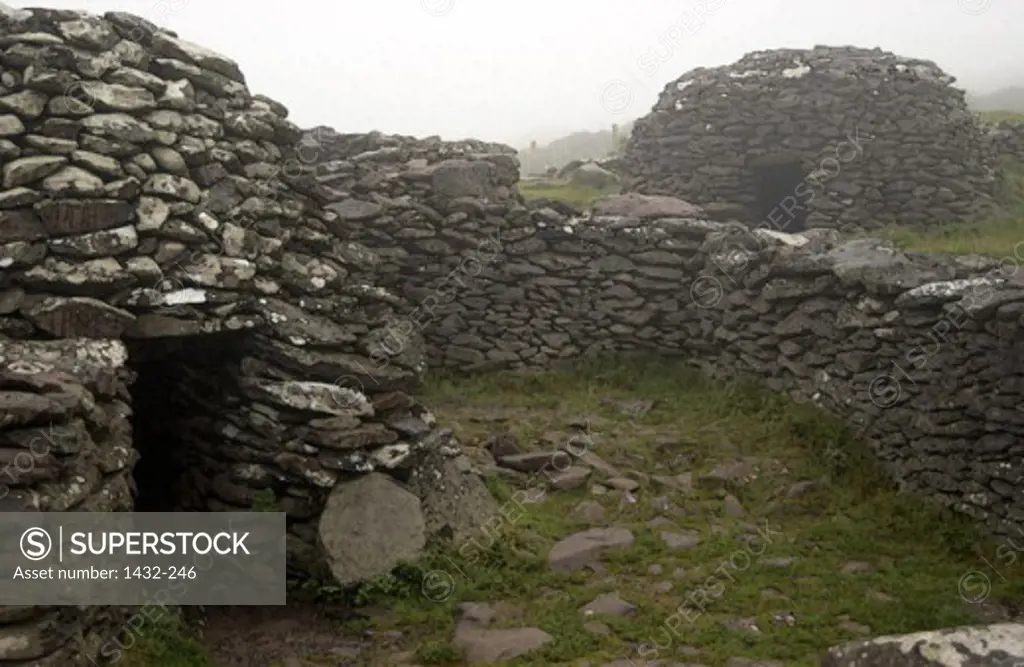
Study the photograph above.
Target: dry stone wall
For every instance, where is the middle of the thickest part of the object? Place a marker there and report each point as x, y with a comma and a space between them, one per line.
65, 443
878, 138
1007, 141
160, 226
920, 352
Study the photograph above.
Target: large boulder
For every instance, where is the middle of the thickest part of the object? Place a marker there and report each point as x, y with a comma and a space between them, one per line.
370, 526
999, 645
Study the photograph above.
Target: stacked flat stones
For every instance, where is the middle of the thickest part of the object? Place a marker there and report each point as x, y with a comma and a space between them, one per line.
1007, 141
926, 164
146, 193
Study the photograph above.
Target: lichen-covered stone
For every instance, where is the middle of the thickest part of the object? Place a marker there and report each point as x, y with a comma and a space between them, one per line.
999, 645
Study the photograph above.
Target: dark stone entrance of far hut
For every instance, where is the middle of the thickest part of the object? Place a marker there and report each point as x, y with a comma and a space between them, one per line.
778, 204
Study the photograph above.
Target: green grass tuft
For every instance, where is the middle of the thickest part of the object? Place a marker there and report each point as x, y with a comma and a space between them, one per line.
163, 642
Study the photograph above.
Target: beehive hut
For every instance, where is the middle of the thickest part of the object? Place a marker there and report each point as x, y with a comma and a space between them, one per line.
837, 137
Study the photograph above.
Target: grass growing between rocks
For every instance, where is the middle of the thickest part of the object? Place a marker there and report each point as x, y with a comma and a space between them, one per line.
569, 193
846, 555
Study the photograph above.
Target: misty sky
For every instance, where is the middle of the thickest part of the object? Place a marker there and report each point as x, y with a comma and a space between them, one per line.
511, 71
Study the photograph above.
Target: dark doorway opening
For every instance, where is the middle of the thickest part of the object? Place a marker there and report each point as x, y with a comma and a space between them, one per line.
781, 194
179, 389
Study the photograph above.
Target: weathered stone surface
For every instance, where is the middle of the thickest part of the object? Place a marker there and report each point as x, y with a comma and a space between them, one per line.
984, 646
634, 205
369, 527
20, 225
481, 645
27, 170
584, 549
79, 317
117, 97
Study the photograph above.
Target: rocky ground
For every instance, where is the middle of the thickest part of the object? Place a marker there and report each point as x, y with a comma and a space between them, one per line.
684, 522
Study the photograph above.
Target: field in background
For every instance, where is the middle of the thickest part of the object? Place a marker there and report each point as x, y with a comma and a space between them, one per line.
563, 191
1002, 116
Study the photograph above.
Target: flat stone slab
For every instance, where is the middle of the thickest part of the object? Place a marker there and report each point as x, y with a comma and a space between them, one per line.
582, 549
1001, 645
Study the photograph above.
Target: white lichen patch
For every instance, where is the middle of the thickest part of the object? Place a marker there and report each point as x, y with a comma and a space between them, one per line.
947, 647
792, 240
184, 296
800, 71
947, 290
391, 456
748, 74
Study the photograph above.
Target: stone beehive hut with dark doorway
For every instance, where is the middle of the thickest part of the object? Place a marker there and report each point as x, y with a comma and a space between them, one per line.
183, 326
828, 137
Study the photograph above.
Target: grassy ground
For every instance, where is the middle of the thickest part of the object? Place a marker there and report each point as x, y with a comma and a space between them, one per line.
1002, 116
916, 556
166, 642
918, 553
1003, 237
575, 195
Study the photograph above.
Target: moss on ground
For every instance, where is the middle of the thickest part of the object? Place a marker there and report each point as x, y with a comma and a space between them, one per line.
918, 553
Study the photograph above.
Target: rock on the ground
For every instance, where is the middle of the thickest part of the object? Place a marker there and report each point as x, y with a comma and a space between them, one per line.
582, 549
572, 478
454, 500
370, 526
609, 604
481, 646
999, 645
